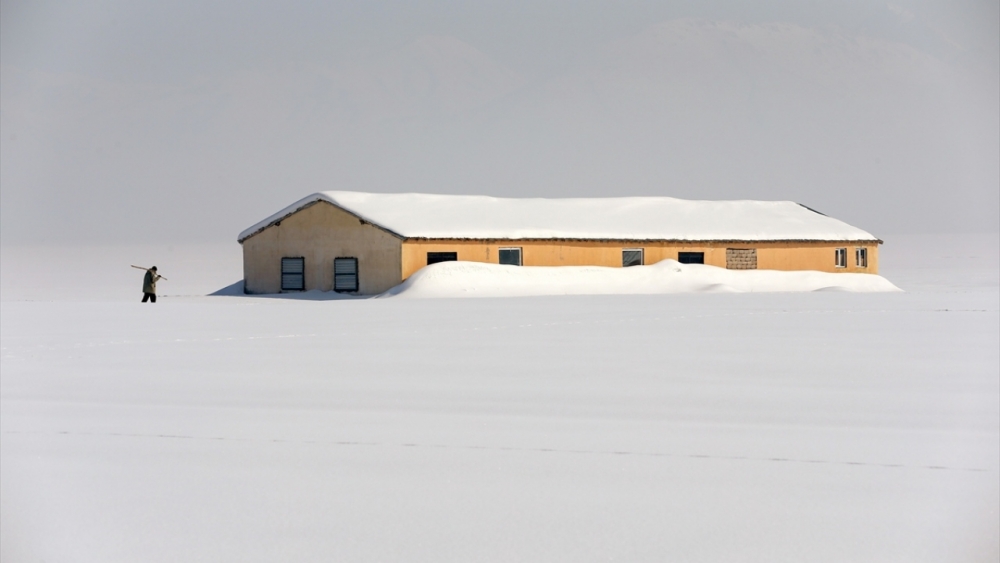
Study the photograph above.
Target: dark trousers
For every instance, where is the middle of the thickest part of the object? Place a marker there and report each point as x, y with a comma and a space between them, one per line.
150, 296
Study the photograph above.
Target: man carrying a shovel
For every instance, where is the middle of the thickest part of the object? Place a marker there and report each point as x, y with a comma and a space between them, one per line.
149, 283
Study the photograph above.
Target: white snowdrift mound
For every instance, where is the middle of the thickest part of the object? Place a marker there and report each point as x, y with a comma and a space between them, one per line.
476, 279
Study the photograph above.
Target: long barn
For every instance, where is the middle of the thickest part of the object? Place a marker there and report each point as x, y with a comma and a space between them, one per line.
366, 243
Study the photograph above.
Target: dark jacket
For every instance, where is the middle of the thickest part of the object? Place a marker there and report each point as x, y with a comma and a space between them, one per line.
149, 282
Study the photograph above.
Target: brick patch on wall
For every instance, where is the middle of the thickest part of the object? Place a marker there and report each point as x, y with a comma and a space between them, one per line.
741, 258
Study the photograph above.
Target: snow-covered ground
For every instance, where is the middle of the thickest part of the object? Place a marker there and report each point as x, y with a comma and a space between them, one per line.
476, 279
824, 426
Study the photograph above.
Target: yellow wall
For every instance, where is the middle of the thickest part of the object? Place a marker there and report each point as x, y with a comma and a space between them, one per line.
320, 233
770, 255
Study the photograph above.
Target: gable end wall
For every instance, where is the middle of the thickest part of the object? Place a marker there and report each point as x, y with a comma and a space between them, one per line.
320, 233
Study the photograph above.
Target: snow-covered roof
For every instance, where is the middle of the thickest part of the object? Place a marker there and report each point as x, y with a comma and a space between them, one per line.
411, 215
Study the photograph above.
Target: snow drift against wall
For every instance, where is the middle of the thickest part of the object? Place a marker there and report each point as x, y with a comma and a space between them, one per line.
631, 218
475, 279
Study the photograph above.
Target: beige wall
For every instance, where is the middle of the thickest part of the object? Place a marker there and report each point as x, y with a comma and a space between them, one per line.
770, 255
320, 233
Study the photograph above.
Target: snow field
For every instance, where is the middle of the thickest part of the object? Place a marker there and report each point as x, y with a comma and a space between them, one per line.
475, 279
825, 426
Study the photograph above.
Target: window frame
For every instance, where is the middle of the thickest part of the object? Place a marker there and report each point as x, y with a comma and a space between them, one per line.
689, 253
357, 275
840, 257
861, 257
520, 255
642, 257
455, 259
302, 273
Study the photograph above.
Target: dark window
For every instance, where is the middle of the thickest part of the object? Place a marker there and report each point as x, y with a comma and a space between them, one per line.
691, 257
631, 257
840, 258
435, 257
861, 257
510, 256
293, 274
345, 274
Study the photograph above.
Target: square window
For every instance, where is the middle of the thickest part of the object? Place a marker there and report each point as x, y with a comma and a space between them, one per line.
345, 274
631, 257
293, 274
691, 257
510, 256
861, 257
435, 257
840, 257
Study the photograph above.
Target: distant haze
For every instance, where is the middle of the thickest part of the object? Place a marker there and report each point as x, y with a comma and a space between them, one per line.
189, 121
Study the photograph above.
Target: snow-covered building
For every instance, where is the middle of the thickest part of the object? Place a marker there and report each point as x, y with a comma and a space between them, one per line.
367, 243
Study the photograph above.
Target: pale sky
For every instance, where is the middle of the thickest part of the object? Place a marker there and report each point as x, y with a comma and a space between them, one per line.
189, 121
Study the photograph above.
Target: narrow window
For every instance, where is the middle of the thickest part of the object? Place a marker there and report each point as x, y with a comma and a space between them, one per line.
631, 257
435, 257
510, 256
691, 257
345, 274
293, 274
840, 258
741, 258
861, 257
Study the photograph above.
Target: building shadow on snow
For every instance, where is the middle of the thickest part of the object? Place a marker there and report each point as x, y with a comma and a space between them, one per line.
236, 290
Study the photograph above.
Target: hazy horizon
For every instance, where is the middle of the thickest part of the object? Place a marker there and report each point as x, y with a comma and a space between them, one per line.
185, 122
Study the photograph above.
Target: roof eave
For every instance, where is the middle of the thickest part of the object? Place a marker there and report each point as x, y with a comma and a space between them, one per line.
277, 220
627, 239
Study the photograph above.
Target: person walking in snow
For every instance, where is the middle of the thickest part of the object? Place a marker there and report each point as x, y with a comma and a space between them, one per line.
149, 285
